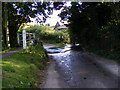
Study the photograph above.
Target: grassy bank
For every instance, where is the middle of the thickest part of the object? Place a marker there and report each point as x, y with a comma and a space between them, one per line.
23, 69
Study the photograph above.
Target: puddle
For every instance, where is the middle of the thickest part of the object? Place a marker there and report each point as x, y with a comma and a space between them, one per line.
62, 55
63, 49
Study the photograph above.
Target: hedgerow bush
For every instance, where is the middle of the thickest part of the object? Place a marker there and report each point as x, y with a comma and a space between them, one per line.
47, 34
110, 35
109, 45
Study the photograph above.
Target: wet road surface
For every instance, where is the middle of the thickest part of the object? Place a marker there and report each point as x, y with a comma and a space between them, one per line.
78, 71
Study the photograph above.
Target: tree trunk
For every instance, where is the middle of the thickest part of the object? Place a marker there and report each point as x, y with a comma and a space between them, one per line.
4, 24
13, 34
12, 26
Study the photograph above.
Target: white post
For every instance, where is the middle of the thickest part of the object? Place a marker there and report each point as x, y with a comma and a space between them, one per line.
24, 39
59, 36
34, 35
18, 38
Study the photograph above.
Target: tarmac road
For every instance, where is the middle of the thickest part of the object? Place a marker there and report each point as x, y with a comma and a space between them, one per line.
71, 69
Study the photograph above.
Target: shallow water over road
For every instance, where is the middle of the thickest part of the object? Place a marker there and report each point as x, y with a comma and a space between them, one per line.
78, 71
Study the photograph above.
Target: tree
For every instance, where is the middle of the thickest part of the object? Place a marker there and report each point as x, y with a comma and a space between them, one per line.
21, 12
4, 25
85, 20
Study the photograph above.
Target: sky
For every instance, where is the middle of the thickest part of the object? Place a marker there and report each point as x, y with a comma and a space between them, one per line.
54, 18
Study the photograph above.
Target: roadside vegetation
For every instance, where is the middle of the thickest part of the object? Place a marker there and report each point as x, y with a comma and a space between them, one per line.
23, 69
95, 26
47, 34
108, 46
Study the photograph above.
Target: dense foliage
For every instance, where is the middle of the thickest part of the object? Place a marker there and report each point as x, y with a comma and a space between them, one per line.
48, 35
109, 40
94, 25
16, 13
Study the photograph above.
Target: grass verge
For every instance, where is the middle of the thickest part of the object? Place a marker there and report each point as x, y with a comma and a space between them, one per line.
23, 69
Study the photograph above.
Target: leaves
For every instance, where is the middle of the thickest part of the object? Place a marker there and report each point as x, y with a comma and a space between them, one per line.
20, 12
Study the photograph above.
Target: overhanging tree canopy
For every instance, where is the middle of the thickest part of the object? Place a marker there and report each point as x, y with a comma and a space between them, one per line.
21, 12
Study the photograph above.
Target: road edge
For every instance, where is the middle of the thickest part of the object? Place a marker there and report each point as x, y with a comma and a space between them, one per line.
104, 64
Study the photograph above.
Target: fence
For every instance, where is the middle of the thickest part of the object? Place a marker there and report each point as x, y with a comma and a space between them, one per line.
25, 38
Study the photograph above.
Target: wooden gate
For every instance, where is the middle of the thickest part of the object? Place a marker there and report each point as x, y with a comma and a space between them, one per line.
25, 38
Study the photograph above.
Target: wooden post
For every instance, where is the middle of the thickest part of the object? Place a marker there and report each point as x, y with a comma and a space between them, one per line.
24, 39
34, 35
18, 38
